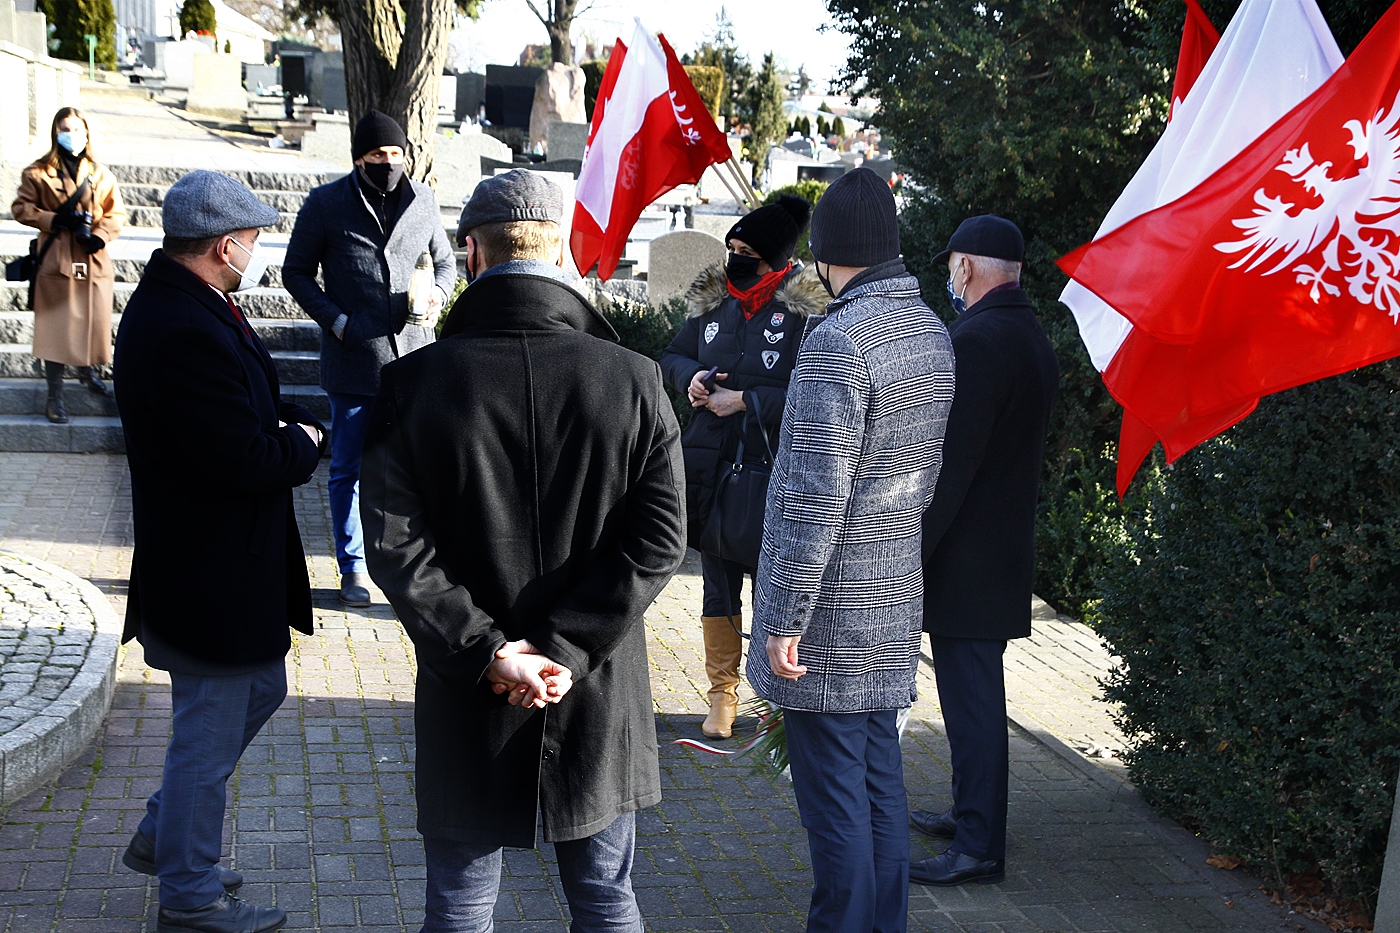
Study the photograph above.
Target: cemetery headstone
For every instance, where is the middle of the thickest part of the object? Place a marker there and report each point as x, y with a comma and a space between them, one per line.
329, 141
676, 259
510, 95
471, 93
566, 140
558, 97
216, 87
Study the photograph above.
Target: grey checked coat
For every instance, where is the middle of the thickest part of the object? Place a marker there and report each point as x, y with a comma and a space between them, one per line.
862, 444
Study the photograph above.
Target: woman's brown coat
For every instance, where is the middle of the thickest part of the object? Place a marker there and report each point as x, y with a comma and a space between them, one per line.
73, 293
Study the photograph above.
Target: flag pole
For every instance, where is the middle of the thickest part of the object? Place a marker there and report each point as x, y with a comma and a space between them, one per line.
738, 198
743, 182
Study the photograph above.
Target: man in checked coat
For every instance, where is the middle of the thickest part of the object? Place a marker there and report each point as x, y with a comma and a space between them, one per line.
840, 580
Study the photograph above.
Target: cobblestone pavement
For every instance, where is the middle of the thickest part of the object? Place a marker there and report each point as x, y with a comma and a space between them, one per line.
322, 816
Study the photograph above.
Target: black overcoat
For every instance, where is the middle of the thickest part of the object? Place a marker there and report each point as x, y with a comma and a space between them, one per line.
758, 353
218, 571
979, 531
522, 478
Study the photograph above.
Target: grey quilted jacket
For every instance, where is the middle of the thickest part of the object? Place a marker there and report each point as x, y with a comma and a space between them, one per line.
862, 444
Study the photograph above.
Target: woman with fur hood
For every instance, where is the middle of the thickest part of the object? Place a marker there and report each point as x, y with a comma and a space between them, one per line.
747, 318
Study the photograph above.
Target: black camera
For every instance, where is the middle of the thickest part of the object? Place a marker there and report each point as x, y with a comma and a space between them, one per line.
84, 228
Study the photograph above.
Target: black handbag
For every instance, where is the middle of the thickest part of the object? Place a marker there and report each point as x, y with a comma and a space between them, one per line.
26, 268
734, 530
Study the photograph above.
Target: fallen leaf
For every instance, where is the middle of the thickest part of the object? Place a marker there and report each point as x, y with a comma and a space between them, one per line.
1227, 862
1229, 903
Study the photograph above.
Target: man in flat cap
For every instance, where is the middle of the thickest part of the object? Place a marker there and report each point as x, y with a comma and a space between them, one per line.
364, 233
214, 455
979, 536
523, 498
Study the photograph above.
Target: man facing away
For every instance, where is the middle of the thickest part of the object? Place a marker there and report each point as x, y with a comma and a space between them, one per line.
214, 455
840, 587
979, 536
524, 502
364, 233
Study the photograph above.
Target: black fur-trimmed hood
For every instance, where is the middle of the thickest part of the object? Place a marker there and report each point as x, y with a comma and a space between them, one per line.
802, 292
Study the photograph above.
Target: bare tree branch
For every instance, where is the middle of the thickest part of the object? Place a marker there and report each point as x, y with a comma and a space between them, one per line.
533, 9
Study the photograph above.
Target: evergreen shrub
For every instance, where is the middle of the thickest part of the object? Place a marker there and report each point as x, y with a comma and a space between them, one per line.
648, 329
709, 84
71, 20
198, 16
1254, 598
812, 192
592, 81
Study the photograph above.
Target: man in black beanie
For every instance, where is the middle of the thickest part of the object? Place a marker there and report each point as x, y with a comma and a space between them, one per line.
839, 608
364, 233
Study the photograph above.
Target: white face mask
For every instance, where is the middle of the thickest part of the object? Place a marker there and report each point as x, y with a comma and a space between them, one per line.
75, 141
250, 276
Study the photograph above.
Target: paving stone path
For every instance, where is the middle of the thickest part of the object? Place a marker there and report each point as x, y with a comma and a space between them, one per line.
322, 815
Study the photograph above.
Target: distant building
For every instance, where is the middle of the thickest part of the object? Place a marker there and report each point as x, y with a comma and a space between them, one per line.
160, 19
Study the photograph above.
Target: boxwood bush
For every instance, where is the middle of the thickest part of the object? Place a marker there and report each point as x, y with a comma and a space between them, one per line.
1254, 598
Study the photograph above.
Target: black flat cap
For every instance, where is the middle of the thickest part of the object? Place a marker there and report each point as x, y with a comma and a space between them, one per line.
986, 235
519, 194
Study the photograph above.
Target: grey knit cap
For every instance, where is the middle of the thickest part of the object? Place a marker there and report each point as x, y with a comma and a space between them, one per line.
207, 204
515, 195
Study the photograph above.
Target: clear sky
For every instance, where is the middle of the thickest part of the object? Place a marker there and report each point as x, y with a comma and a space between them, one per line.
789, 28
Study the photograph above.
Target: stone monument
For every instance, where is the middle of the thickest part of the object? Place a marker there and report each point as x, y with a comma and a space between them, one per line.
329, 141
676, 259
566, 140
558, 96
457, 165
216, 87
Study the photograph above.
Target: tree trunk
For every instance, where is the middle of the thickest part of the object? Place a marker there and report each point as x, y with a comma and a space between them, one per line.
560, 28
392, 64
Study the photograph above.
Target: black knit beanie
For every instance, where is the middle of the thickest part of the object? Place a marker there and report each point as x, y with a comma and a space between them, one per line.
854, 223
376, 129
773, 229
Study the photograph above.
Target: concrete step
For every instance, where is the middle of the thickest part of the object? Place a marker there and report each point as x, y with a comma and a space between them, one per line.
296, 367
164, 176
82, 434
137, 216
269, 303
154, 196
300, 333
28, 397
311, 397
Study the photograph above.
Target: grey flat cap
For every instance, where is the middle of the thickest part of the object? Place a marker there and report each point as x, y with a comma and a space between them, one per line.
204, 204
516, 195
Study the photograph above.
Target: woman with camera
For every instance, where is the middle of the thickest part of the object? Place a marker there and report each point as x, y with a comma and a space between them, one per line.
733, 358
76, 206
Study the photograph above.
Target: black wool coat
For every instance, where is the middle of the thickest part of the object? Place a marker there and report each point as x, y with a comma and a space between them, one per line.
522, 479
979, 531
218, 572
758, 353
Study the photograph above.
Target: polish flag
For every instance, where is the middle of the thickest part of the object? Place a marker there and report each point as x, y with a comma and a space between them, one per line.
1273, 55
651, 132
1198, 39
1281, 268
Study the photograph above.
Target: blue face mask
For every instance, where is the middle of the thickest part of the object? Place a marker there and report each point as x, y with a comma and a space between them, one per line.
74, 142
956, 300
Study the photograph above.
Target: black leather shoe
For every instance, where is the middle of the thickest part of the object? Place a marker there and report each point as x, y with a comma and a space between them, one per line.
943, 825
952, 868
140, 855
354, 590
88, 377
226, 915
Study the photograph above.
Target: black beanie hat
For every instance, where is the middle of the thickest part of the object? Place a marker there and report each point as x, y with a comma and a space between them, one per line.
855, 223
773, 229
376, 129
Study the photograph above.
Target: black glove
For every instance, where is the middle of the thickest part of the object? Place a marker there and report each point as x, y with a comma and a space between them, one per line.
92, 243
66, 220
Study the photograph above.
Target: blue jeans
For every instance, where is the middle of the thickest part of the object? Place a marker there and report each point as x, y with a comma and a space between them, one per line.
349, 419
213, 720
464, 881
849, 779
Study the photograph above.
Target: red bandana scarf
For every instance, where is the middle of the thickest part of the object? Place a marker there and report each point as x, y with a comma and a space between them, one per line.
753, 299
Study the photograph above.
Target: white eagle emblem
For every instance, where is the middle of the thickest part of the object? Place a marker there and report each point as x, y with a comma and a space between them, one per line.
711, 329
1352, 235
770, 358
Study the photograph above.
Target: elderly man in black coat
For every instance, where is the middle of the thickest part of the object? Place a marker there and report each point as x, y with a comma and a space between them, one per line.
979, 536
523, 502
214, 455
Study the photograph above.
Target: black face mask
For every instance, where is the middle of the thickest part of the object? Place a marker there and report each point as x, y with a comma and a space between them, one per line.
826, 283
384, 175
743, 271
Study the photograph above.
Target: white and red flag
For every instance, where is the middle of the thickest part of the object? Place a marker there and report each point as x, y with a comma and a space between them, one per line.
1274, 54
651, 132
1198, 39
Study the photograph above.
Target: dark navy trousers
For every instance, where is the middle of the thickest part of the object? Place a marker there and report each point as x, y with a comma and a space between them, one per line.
849, 780
972, 693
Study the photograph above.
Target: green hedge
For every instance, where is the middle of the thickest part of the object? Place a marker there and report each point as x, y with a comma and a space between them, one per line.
1254, 597
592, 81
648, 329
709, 84
812, 192
71, 20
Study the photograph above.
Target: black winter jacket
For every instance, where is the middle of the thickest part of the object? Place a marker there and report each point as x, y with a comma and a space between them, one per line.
211, 476
979, 531
758, 354
522, 479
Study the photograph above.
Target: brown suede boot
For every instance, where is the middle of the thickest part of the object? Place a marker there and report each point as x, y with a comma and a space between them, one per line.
723, 648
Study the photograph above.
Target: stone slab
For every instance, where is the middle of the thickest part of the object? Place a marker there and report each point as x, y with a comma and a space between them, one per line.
566, 140
216, 87
676, 259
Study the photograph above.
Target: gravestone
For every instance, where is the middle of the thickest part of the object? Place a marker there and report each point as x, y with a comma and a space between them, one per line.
510, 94
457, 165
216, 87
566, 140
265, 76
329, 141
558, 96
325, 81
676, 259
471, 94
177, 61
